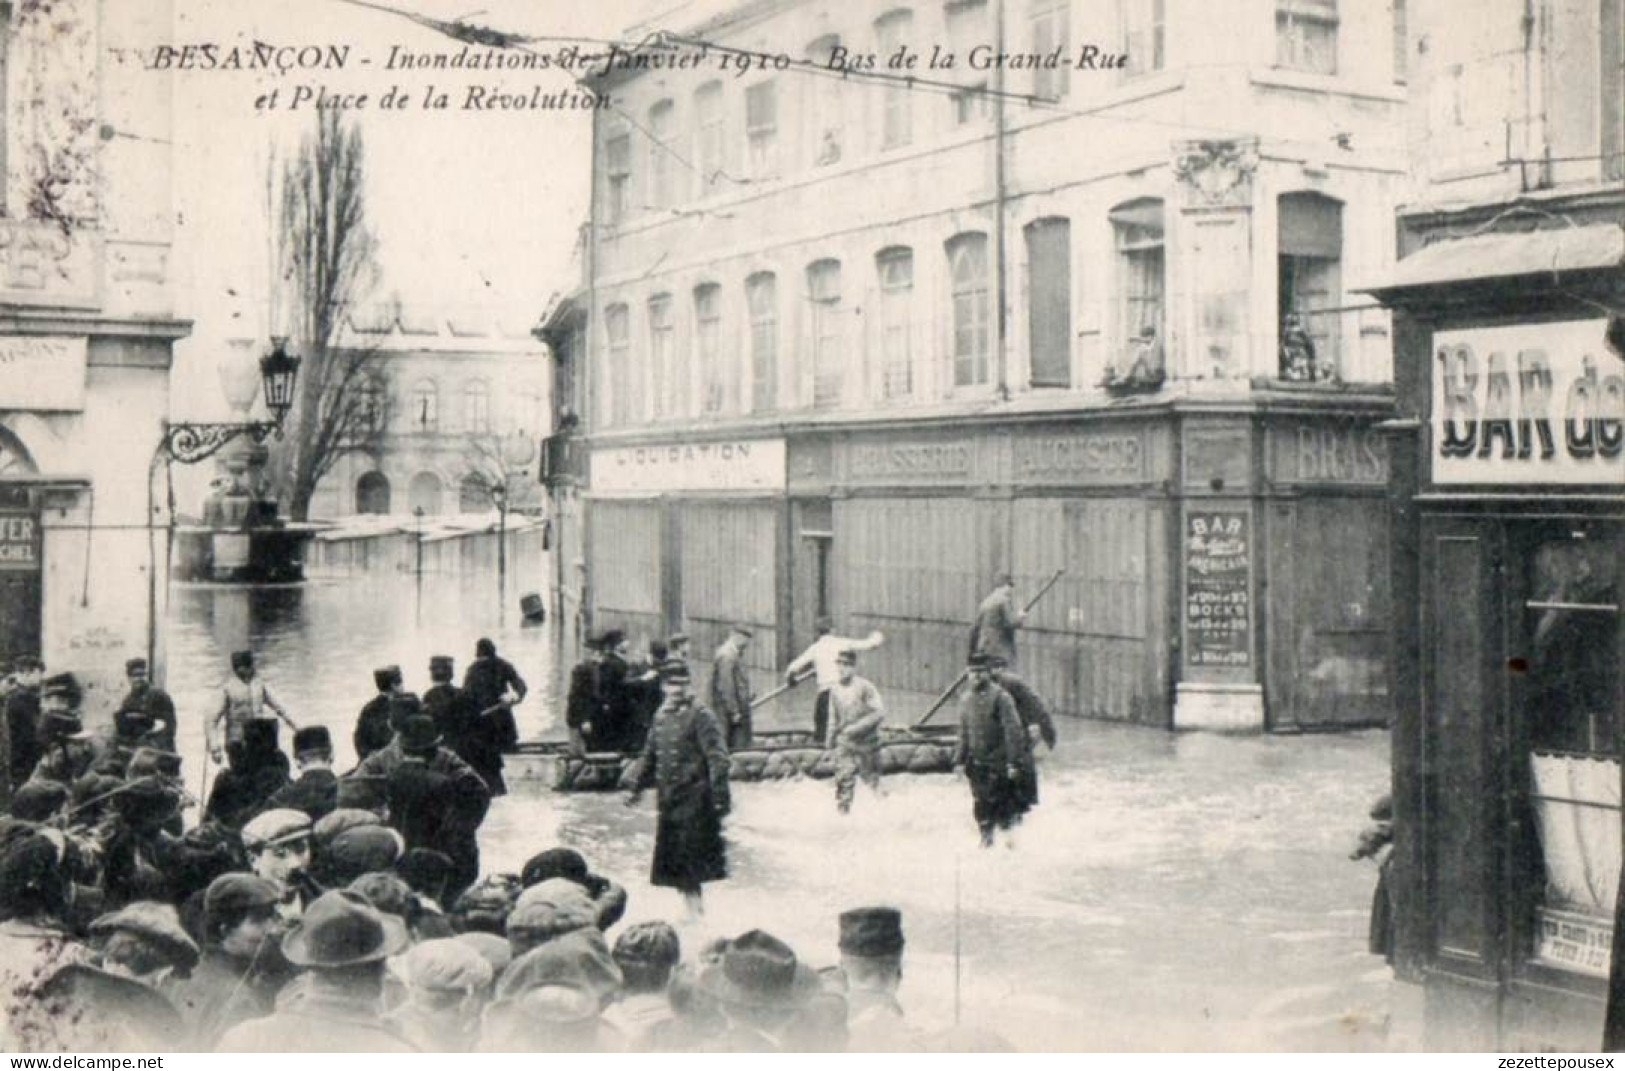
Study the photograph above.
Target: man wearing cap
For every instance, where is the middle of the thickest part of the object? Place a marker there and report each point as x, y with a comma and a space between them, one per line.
994, 632
436, 800
151, 700
446, 982
316, 790
372, 731
608, 897
581, 704
761, 986
454, 715
872, 959
991, 744
68, 752
244, 697
730, 693
241, 966
820, 658
22, 718
646, 953
1036, 723
278, 845
342, 943
855, 717
686, 758
623, 693
494, 688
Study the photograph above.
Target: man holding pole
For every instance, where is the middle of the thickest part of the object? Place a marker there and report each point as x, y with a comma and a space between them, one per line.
994, 632
822, 658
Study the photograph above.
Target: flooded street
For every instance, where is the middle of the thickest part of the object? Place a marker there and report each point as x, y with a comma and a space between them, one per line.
1170, 892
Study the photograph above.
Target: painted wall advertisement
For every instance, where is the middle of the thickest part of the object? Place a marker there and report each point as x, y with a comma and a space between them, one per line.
1532, 403
1218, 589
19, 542
734, 465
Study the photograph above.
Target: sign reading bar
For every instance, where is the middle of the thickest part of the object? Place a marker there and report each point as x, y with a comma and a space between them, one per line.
730, 465
19, 542
42, 373
1218, 589
1533, 403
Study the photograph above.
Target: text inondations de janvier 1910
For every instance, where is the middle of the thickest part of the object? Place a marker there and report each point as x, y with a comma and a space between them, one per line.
473, 78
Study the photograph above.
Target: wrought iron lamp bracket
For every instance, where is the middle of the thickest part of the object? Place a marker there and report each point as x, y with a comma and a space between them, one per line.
191, 443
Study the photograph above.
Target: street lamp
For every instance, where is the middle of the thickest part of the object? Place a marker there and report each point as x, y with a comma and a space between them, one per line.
190, 443
499, 496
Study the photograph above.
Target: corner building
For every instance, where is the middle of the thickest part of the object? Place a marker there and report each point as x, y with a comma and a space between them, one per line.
854, 346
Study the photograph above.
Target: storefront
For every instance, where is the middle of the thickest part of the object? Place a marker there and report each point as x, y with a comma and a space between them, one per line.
1509, 525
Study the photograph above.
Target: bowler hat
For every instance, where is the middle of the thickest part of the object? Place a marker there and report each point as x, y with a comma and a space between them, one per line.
341, 929
419, 734
157, 924
759, 970
312, 738
872, 931
133, 664
386, 677
276, 827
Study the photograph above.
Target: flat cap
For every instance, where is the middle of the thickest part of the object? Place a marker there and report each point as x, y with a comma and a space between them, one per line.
335, 822
276, 827
156, 923
237, 892
554, 907
654, 943
362, 850
447, 964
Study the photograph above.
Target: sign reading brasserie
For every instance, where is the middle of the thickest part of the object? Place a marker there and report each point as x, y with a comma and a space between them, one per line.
731, 465
1218, 589
19, 542
1533, 403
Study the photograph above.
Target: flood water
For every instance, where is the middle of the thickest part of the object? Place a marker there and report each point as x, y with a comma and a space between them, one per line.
1171, 892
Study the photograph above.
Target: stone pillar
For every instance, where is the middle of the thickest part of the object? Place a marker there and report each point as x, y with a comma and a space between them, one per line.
1213, 259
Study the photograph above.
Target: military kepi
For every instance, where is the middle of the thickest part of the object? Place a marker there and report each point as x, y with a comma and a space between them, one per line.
872, 931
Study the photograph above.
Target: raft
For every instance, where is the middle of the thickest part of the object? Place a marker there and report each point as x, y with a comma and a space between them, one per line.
775, 756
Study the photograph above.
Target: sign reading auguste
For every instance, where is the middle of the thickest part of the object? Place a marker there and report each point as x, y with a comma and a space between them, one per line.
1533, 403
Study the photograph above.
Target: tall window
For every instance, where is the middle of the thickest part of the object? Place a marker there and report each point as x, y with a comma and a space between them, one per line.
370, 408
1401, 42
662, 342
625, 404
1306, 35
824, 294
967, 28
1052, 29
1049, 302
477, 406
967, 272
708, 136
761, 295
892, 32
425, 414
617, 178
762, 128
708, 347
662, 165
1310, 285
824, 131
1145, 34
896, 270
1139, 282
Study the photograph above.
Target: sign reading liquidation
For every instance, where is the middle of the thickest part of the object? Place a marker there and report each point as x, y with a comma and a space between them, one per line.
1534, 403
732, 465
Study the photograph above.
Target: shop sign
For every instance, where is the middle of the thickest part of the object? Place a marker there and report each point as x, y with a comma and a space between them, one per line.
1337, 453
730, 465
1095, 457
1571, 941
1218, 589
19, 542
1528, 404
914, 461
42, 373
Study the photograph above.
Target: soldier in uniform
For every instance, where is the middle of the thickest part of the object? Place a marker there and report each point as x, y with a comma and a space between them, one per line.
316, 790
686, 758
991, 744
372, 729
872, 959
855, 717
1035, 722
730, 687
437, 801
997, 619
152, 701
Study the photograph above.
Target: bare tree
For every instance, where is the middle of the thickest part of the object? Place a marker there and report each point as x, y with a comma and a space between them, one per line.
325, 251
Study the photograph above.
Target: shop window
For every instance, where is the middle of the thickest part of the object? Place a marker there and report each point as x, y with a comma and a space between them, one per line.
477, 407
967, 28
662, 342
1306, 35
662, 164
617, 178
824, 295
762, 128
708, 347
762, 297
425, 415
967, 272
1140, 287
823, 102
623, 395
1049, 302
1050, 24
709, 136
1310, 286
1144, 35
895, 268
892, 31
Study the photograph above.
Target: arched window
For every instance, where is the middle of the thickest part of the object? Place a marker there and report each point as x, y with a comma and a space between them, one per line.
1310, 277
477, 406
425, 412
895, 270
892, 32
617, 177
372, 493
662, 351
824, 294
1139, 282
662, 172
967, 272
708, 348
625, 394
709, 136
762, 296
423, 493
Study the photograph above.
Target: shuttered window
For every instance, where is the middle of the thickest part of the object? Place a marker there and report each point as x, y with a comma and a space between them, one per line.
708, 347
617, 178
1049, 301
968, 28
661, 343
892, 31
623, 399
1052, 29
1137, 226
895, 268
662, 164
761, 294
708, 136
823, 101
967, 269
762, 128
824, 295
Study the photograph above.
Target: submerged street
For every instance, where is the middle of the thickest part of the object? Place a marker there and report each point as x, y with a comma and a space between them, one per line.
1170, 891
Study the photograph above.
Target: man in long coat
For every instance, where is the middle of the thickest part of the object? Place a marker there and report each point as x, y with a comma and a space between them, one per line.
453, 712
493, 687
686, 758
581, 701
991, 743
1036, 723
623, 691
437, 801
730, 687
372, 729
997, 619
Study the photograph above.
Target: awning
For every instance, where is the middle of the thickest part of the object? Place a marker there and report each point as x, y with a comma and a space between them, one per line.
1507, 256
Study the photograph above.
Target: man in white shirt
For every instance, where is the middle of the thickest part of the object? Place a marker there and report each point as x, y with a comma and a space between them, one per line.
855, 717
244, 697
821, 659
